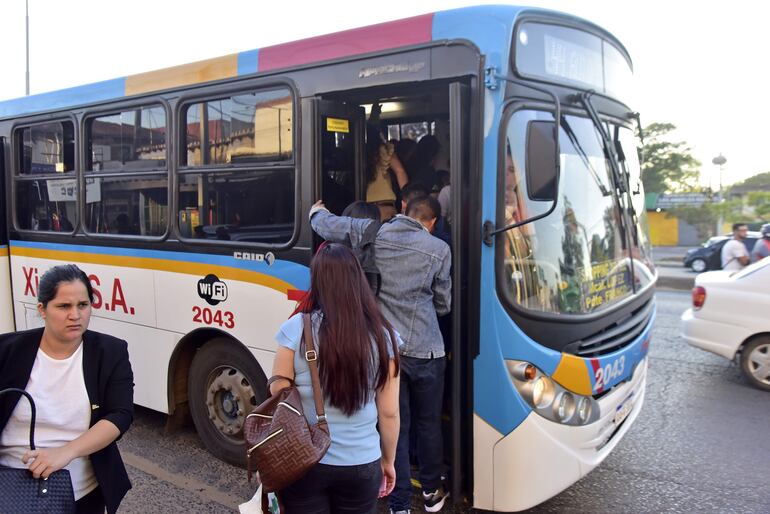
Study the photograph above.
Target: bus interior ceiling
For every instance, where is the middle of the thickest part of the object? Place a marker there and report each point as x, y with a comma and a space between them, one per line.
409, 111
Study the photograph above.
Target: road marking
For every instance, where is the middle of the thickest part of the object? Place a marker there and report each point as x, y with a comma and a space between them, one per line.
200, 489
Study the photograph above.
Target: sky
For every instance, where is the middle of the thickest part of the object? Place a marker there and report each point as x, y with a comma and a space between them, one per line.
698, 65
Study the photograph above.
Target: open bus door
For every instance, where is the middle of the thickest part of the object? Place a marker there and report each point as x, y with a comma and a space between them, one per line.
463, 321
339, 174
6, 304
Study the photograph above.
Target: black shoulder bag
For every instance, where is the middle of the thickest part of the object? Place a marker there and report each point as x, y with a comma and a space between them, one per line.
20, 492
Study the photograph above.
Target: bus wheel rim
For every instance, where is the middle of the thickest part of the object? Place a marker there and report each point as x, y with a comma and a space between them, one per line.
228, 399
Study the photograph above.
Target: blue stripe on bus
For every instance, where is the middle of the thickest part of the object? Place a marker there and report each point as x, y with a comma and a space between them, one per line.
81, 95
248, 62
295, 274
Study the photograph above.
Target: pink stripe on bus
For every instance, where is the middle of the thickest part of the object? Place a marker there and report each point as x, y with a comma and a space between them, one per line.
393, 34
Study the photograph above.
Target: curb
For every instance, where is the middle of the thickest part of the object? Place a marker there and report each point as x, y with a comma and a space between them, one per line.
680, 283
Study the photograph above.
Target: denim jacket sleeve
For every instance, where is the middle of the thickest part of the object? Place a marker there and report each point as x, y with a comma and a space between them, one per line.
338, 229
442, 286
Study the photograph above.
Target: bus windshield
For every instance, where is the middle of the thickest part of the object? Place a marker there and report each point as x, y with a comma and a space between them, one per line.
574, 261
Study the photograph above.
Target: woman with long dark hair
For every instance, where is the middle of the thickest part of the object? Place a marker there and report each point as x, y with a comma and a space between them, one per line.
358, 367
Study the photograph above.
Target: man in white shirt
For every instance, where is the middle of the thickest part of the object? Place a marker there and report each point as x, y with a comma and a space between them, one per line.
735, 256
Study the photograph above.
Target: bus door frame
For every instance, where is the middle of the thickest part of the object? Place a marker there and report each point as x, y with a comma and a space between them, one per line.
7, 319
461, 364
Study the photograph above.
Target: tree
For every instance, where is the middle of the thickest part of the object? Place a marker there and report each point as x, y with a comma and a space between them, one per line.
760, 180
760, 201
703, 217
666, 166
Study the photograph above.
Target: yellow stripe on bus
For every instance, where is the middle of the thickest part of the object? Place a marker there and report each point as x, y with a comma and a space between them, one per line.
186, 74
572, 373
3, 251
188, 268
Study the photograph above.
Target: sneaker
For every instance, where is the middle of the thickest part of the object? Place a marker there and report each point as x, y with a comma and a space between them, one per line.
434, 501
400, 511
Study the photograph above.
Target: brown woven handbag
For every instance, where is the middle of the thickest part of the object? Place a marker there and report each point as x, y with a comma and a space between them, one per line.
281, 445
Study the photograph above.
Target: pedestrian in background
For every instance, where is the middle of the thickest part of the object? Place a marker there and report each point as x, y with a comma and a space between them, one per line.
358, 367
762, 247
83, 388
735, 256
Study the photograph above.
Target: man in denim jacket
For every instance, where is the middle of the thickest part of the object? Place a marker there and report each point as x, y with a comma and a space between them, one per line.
416, 287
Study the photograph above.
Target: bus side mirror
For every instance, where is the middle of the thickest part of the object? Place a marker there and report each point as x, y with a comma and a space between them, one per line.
542, 161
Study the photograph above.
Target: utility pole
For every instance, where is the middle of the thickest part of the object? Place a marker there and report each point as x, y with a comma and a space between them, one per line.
720, 161
26, 2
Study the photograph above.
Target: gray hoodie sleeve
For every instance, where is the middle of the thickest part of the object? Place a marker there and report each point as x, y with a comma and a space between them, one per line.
338, 229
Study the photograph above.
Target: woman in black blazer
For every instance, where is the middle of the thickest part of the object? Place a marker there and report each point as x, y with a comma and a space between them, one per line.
47, 360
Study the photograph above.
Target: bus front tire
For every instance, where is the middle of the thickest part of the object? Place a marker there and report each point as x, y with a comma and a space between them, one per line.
224, 385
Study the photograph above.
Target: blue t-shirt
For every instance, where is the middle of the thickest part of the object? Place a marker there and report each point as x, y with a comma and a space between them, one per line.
355, 439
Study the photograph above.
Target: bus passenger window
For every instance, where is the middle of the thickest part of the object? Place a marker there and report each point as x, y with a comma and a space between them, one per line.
127, 175
46, 148
132, 140
242, 129
237, 177
246, 206
46, 188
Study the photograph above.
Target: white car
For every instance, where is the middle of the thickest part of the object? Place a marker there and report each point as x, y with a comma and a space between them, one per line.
731, 317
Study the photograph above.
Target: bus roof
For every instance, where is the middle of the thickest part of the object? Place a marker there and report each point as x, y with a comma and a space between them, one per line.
465, 23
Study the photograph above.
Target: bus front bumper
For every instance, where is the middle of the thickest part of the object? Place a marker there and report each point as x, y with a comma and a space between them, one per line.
541, 458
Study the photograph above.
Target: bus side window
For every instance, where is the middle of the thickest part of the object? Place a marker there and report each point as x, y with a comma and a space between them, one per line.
127, 173
237, 181
44, 176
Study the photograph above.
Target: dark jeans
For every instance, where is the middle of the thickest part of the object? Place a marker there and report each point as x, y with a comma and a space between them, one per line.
420, 401
332, 489
92, 503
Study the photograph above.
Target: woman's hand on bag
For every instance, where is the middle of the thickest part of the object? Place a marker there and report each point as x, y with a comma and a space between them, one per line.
43, 462
389, 478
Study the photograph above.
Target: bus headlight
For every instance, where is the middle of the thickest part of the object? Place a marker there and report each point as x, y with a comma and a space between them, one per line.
564, 406
584, 409
550, 400
542, 392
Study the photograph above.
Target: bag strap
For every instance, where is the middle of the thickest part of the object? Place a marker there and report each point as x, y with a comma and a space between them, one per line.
311, 356
275, 378
32, 408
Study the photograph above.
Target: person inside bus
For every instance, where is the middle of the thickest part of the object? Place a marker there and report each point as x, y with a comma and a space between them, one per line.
416, 289
405, 148
421, 167
358, 365
382, 166
83, 389
415, 190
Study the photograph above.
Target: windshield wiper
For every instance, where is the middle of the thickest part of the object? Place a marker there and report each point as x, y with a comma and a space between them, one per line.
583, 156
611, 155
609, 148
627, 177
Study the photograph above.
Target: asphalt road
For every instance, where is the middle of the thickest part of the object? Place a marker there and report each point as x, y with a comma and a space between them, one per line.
700, 444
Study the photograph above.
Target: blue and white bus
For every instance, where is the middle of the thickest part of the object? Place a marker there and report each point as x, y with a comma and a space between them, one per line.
184, 193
